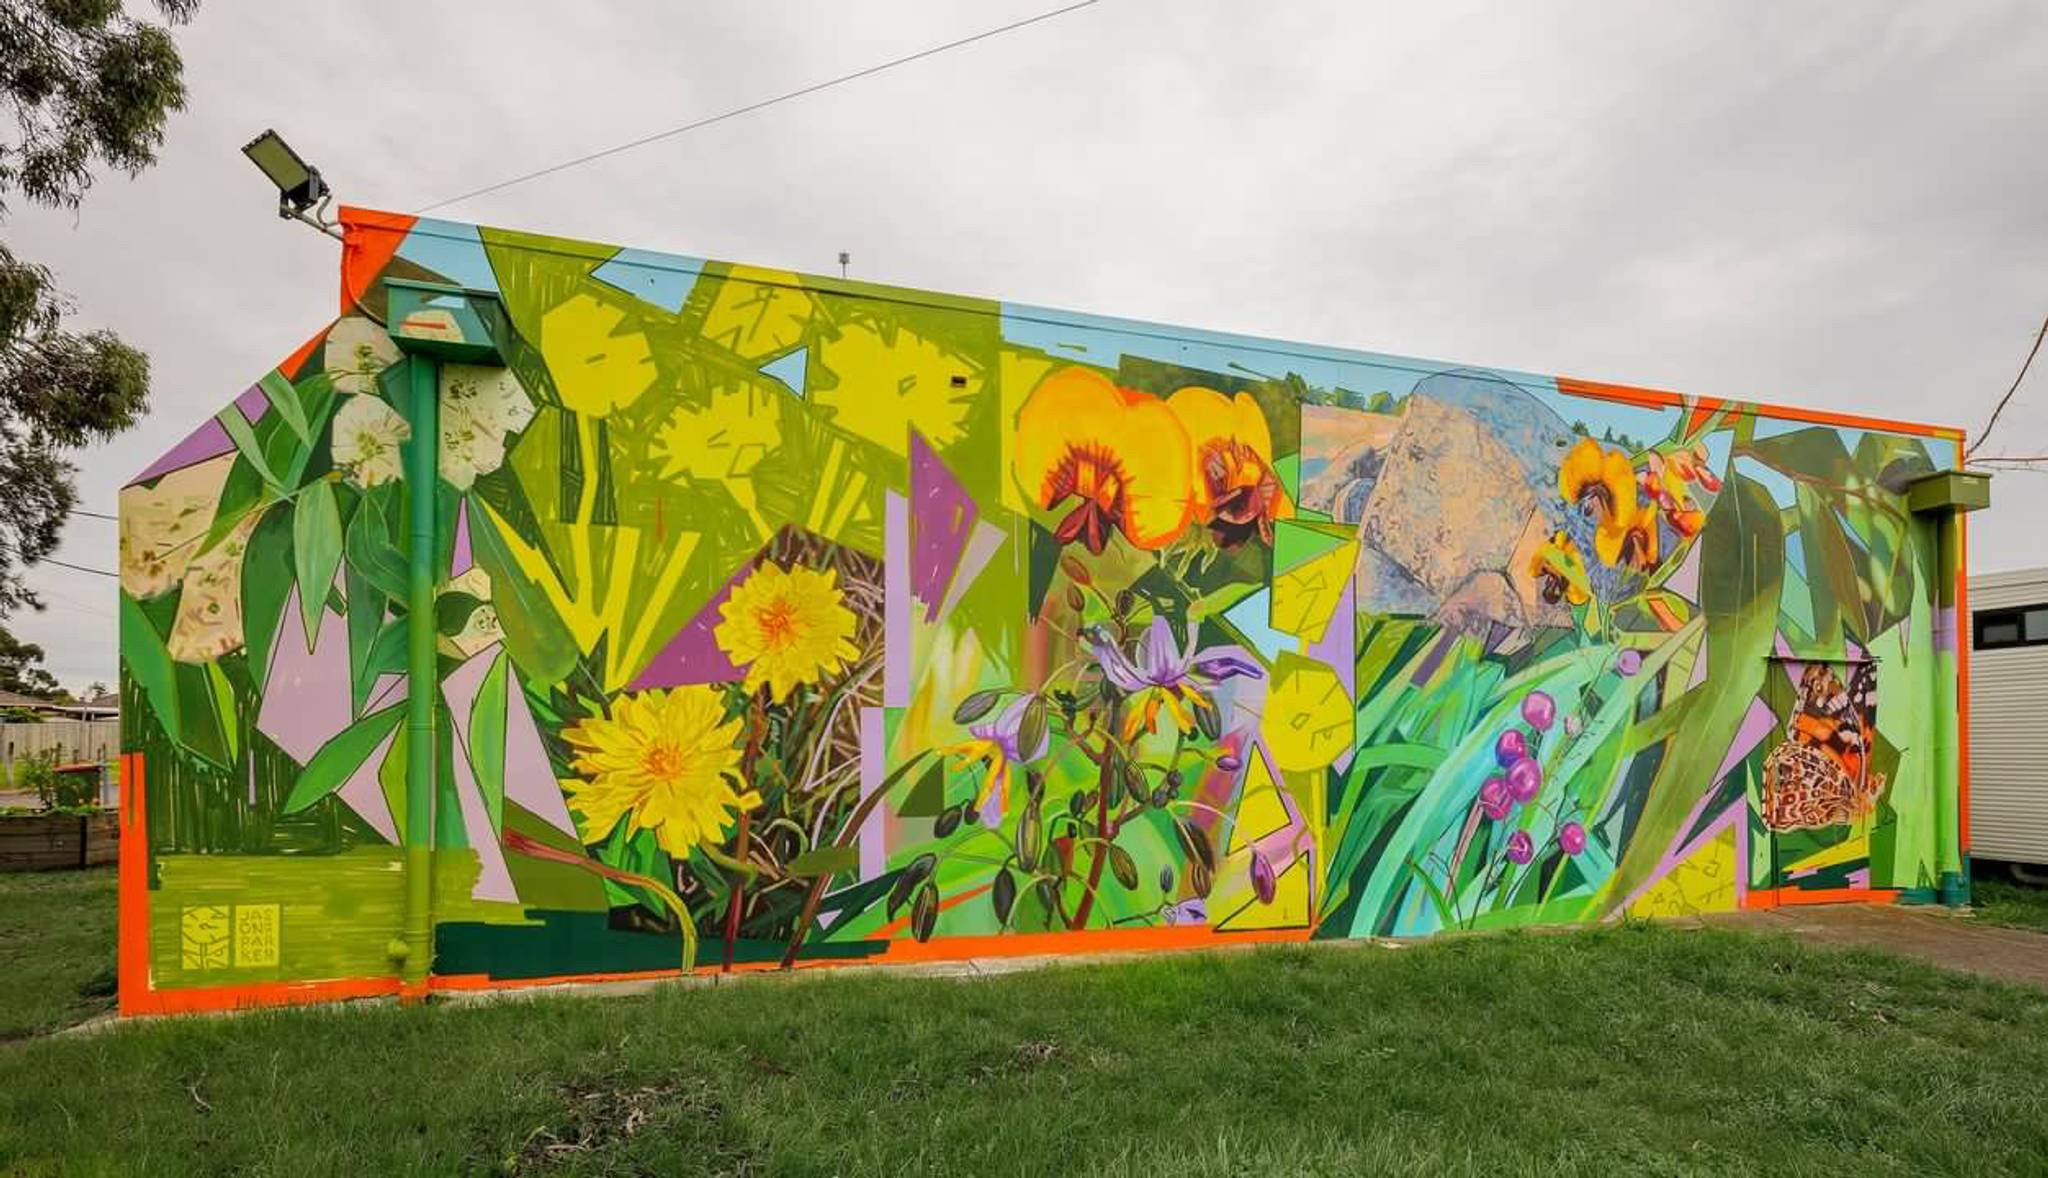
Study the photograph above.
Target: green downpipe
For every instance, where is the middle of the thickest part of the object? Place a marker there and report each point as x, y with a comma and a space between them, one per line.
1952, 867
422, 476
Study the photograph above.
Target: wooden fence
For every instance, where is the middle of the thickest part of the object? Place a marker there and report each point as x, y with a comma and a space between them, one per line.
73, 740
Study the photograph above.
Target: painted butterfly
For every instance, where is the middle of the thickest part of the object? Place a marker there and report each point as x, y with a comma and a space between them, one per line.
1820, 775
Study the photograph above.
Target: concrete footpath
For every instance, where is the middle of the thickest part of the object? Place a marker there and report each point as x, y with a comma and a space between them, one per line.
1933, 935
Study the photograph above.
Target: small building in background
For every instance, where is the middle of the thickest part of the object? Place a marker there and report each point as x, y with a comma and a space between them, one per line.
2008, 798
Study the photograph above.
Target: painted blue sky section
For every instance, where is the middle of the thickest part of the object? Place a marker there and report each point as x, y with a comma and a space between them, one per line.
1099, 340
660, 279
452, 250
790, 369
455, 250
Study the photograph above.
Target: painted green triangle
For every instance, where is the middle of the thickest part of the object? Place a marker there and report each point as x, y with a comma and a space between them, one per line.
1296, 543
1044, 559
1288, 467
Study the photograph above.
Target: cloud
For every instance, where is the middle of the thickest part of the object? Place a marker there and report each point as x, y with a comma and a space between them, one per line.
1826, 204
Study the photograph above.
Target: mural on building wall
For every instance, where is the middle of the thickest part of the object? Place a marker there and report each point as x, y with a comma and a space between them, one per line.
787, 619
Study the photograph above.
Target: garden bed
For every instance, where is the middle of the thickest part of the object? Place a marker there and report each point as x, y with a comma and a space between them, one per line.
58, 840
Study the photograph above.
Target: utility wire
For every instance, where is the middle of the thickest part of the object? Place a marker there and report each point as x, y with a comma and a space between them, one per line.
93, 514
65, 564
2007, 398
735, 112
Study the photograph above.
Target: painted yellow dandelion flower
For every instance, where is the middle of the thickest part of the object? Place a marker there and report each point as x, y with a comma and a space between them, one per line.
787, 627
666, 760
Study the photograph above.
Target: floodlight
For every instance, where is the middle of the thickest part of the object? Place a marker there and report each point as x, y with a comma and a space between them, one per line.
299, 186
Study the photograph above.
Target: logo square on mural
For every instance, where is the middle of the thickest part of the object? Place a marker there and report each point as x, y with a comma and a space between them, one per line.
204, 936
256, 935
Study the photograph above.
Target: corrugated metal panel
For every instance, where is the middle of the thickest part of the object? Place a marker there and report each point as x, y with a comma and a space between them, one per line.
2009, 730
2002, 590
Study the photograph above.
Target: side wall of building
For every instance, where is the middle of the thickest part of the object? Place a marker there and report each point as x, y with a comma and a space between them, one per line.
790, 619
2009, 729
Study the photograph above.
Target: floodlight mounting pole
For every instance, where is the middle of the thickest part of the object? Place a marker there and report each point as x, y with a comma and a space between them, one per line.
319, 220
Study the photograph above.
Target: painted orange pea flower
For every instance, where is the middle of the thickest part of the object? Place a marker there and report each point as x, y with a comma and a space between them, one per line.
1560, 571
1639, 539
1603, 483
1121, 457
1694, 466
1665, 481
1235, 490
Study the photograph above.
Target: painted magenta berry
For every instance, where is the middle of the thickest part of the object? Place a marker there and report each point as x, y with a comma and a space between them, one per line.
1264, 882
1510, 747
1521, 848
1525, 780
1628, 662
1539, 710
1494, 800
1571, 837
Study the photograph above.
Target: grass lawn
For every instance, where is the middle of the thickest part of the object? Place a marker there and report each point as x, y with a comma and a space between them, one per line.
1625, 1050
56, 949
2005, 902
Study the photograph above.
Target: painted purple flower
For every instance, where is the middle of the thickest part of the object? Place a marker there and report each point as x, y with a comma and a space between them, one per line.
1571, 837
1163, 663
1510, 747
1539, 710
1188, 912
1525, 780
1230, 762
1494, 800
1166, 675
1628, 662
995, 746
1521, 848
1264, 882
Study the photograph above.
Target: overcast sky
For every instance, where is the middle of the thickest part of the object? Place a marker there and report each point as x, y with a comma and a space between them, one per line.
1837, 205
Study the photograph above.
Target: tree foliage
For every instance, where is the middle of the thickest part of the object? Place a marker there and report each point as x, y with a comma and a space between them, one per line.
21, 667
89, 86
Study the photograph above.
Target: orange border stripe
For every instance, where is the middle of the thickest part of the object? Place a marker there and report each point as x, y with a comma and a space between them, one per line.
131, 987
1665, 399
1792, 897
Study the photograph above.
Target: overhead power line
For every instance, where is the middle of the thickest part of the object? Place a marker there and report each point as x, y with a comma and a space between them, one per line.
735, 112
79, 568
93, 514
2007, 398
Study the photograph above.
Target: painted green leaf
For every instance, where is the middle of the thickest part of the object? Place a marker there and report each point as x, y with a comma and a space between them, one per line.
315, 395
534, 634
203, 728
285, 399
224, 707
370, 549
366, 607
487, 739
826, 860
145, 660
341, 756
1741, 569
249, 446
266, 584
316, 552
